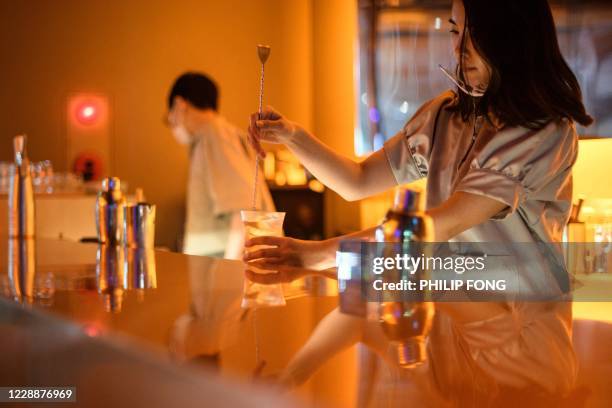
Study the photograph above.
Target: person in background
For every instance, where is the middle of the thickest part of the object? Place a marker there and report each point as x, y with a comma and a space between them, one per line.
221, 171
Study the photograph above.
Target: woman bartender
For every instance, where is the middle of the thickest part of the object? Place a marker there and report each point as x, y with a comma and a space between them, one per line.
497, 154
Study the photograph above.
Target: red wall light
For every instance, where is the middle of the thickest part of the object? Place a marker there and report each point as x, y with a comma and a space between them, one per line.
87, 113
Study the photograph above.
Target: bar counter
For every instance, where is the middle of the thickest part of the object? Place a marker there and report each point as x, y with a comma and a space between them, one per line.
165, 307
131, 327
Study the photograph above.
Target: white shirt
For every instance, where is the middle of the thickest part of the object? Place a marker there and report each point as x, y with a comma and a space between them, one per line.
220, 183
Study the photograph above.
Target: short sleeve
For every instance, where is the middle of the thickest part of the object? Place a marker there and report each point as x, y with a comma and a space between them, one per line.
409, 150
517, 163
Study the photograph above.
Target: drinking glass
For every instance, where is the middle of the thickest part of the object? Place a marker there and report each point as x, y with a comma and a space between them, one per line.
258, 224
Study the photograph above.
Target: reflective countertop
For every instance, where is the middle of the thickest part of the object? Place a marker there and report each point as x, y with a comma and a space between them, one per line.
148, 324
181, 308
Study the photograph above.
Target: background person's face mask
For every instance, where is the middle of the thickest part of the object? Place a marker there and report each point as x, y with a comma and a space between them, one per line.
179, 131
181, 135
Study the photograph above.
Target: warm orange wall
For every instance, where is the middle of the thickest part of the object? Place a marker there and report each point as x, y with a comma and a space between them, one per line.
334, 36
334, 44
132, 50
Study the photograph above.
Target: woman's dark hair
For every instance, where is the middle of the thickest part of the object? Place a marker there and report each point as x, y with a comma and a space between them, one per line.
531, 82
197, 89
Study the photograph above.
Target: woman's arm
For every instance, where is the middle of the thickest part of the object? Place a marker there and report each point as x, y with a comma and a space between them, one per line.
461, 212
319, 255
352, 180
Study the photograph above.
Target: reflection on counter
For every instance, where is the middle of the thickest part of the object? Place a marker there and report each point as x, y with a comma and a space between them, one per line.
214, 315
22, 269
119, 269
24, 284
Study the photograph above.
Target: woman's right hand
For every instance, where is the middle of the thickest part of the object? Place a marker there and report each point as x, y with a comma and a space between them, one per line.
271, 127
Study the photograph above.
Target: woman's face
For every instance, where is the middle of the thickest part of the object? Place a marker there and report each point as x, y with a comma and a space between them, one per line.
475, 70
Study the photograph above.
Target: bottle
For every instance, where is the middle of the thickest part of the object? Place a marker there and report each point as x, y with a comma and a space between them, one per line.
21, 194
406, 323
110, 206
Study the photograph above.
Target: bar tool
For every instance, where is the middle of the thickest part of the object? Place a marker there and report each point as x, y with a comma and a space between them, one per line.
21, 194
110, 212
263, 52
406, 323
139, 223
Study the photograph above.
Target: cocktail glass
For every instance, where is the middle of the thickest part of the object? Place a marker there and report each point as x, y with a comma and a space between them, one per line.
258, 224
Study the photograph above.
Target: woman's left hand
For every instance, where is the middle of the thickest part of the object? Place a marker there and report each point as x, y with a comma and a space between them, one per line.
290, 252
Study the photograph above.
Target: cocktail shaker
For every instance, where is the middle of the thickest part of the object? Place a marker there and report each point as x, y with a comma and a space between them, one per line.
139, 223
406, 323
110, 206
21, 194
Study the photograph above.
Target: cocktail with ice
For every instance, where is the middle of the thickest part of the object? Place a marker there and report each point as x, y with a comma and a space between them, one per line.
258, 224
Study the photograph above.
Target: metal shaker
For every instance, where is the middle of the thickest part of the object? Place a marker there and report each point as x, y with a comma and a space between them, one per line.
21, 194
139, 225
406, 323
110, 206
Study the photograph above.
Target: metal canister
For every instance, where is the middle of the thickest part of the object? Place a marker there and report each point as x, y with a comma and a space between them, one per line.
110, 206
406, 323
21, 217
139, 225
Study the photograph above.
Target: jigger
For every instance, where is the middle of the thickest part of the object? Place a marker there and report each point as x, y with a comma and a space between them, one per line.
263, 52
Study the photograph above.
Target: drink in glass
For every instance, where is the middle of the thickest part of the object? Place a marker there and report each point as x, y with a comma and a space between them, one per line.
258, 224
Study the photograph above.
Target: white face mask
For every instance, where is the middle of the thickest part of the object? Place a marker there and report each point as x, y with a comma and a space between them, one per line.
181, 135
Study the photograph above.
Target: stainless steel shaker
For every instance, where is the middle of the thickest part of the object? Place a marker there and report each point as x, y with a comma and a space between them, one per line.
21, 194
139, 225
406, 323
110, 206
